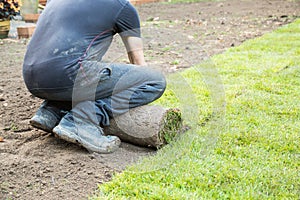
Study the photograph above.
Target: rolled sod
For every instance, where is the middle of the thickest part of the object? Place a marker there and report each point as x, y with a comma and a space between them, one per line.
149, 125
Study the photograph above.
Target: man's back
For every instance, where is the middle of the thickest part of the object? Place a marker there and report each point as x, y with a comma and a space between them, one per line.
69, 32
66, 29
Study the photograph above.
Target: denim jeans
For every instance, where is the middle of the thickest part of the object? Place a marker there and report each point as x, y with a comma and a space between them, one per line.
101, 90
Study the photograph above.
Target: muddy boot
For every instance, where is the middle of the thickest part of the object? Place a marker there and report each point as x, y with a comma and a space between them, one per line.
47, 117
85, 133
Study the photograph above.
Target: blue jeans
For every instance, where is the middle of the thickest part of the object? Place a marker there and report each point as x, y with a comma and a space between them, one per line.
101, 91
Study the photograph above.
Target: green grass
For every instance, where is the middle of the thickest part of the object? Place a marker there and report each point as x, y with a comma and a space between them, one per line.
249, 149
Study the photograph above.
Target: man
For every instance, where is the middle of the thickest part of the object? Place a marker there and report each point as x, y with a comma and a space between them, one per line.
63, 66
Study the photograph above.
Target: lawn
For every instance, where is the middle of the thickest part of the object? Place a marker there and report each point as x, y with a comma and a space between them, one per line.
243, 107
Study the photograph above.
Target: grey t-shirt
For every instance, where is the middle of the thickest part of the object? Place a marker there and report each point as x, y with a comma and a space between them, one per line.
69, 32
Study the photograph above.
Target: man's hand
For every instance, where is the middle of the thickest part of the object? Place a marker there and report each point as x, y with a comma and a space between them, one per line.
134, 47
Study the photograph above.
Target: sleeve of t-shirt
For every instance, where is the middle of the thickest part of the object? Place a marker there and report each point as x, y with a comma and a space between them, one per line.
128, 22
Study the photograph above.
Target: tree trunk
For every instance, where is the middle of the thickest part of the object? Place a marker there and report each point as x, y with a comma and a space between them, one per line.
151, 126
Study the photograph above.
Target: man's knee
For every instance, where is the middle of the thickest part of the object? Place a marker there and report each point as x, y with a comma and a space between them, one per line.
160, 81
157, 82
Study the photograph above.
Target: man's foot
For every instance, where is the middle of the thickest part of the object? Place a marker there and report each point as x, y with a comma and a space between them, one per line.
46, 118
90, 136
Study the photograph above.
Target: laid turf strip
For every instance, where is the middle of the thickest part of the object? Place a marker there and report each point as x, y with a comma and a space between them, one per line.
243, 110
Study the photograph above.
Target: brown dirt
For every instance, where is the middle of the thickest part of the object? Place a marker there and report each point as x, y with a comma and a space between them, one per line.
36, 165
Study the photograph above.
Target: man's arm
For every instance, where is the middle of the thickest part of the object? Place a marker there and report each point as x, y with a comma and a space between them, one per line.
134, 47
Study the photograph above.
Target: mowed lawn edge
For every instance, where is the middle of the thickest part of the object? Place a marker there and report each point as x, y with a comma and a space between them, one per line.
247, 149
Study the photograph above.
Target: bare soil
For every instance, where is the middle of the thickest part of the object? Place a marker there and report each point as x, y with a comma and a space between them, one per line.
36, 165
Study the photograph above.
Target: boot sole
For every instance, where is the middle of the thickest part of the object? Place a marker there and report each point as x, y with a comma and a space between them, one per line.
73, 138
40, 126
